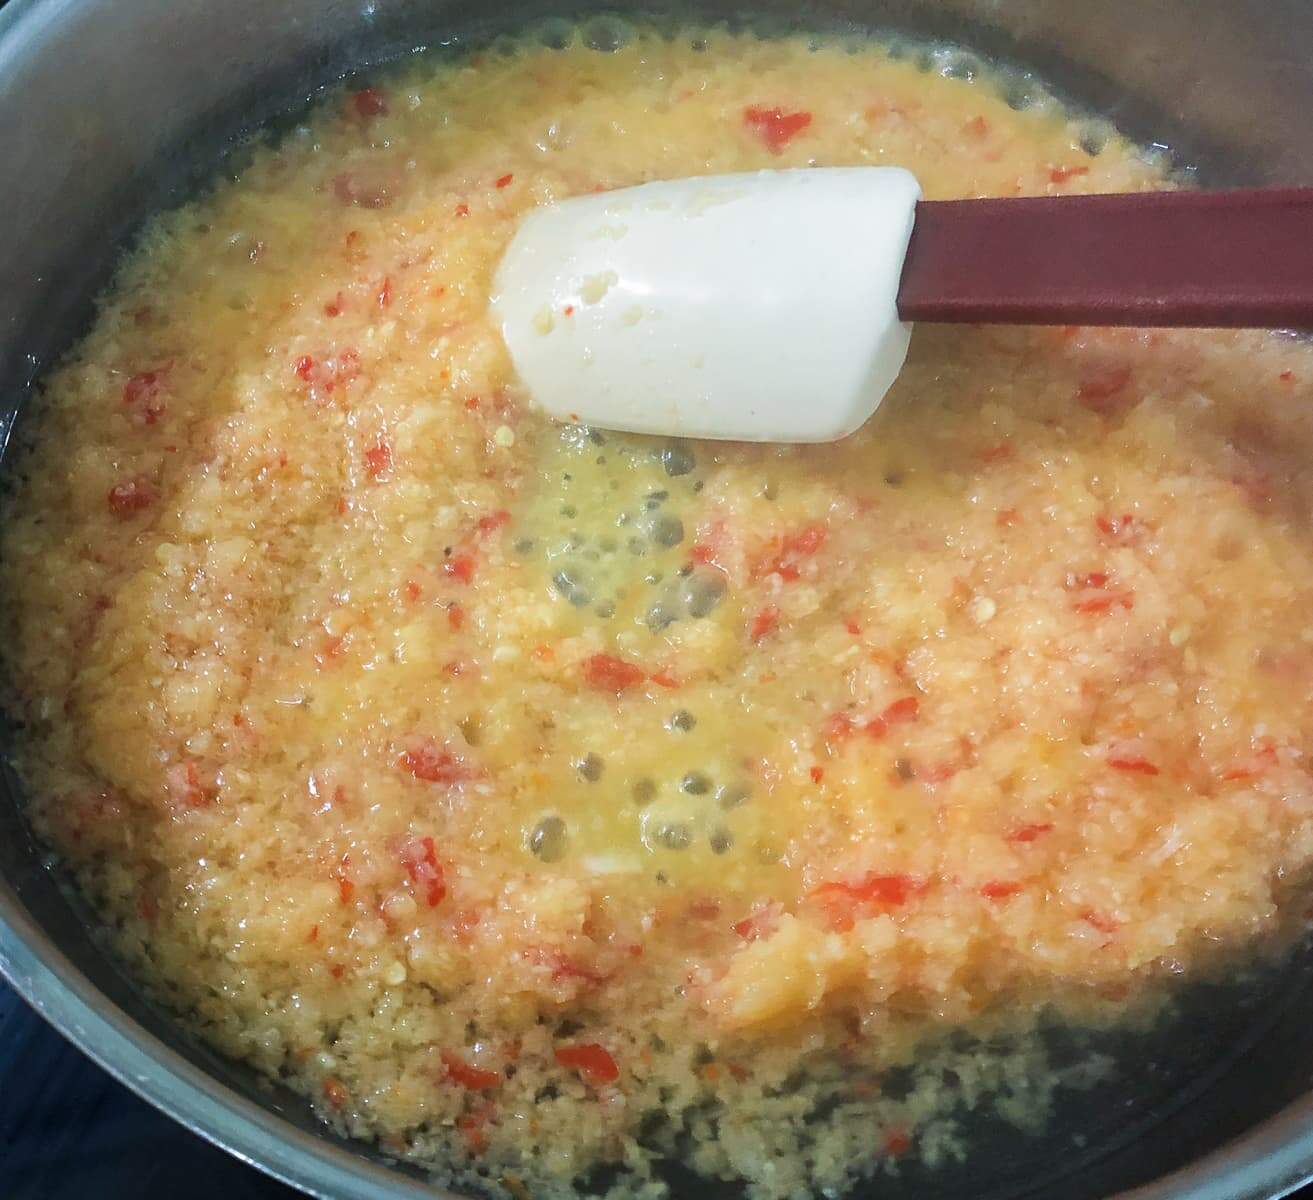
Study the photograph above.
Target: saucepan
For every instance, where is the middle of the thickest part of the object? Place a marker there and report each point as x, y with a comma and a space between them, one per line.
111, 109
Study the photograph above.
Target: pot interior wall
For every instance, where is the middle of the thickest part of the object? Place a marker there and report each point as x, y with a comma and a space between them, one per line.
127, 107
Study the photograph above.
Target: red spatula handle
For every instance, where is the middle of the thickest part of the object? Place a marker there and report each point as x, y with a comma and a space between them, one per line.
1226, 258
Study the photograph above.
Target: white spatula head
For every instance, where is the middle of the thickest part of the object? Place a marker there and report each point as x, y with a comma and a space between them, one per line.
757, 307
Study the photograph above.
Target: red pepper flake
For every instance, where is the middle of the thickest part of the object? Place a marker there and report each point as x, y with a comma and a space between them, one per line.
413, 592
1102, 604
1007, 518
998, 889
774, 126
705, 908
369, 103
183, 781
976, 127
1287, 377
569, 310
504, 181
462, 210
1101, 390
384, 296
334, 307
760, 923
378, 458
1092, 579
491, 522
434, 764
665, 679
1062, 174
900, 712
996, 453
592, 1061
897, 1141
1029, 833
764, 623
841, 899
461, 1072
329, 650
1133, 763
852, 627
131, 496
817, 774
337, 970
608, 673
455, 617
1101, 921
335, 1093
785, 559
345, 888
143, 396
420, 859
304, 367
1262, 759
837, 728
701, 553
459, 566
471, 1127
351, 190
1114, 527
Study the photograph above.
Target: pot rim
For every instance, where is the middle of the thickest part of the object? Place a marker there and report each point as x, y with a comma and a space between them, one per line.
1269, 1161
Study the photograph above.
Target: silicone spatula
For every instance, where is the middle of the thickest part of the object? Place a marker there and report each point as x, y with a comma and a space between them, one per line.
778, 306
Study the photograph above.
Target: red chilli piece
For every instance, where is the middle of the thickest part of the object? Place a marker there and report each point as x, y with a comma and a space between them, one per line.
1251, 766
884, 891
143, 397
900, 712
459, 566
1114, 527
369, 103
434, 764
760, 923
1025, 834
335, 1093
774, 126
1062, 174
345, 887
592, 1061
1101, 391
1101, 921
493, 521
461, 1072
607, 673
504, 181
420, 859
999, 889
378, 458
1133, 763
897, 1141
131, 496
764, 624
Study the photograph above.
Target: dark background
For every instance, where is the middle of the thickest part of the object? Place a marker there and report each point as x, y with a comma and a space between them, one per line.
69, 1132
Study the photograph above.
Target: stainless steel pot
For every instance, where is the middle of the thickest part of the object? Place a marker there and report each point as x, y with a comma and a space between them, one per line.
111, 108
